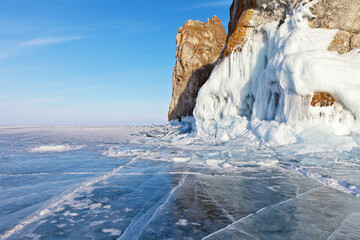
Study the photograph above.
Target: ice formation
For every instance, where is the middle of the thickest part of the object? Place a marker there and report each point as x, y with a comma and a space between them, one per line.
264, 91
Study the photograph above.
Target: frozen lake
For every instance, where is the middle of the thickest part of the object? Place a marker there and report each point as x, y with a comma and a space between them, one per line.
127, 182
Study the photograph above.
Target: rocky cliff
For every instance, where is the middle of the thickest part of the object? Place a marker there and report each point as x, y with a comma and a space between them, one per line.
198, 47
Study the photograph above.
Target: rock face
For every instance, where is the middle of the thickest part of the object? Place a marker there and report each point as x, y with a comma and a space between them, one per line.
198, 48
339, 14
247, 15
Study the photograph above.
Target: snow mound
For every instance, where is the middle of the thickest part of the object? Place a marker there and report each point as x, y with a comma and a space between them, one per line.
264, 91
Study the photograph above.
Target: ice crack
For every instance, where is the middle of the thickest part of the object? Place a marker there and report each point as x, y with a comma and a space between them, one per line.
53, 206
340, 226
132, 231
232, 225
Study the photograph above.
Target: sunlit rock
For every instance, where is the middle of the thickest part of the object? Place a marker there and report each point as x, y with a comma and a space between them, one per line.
322, 99
198, 47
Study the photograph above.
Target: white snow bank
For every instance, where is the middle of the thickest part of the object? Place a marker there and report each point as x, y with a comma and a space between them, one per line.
265, 90
55, 148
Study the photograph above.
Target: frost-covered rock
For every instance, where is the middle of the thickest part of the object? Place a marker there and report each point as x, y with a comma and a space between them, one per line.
198, 47
247, 15
276, 68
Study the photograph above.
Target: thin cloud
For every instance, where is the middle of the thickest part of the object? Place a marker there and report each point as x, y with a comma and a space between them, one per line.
37, 42
223, 3
47, 41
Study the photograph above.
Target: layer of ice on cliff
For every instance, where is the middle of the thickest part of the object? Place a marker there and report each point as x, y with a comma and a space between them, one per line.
264, 91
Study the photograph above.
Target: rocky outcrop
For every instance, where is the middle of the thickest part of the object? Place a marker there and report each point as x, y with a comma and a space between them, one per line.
198, 47
247, 15
321, 99
339, 14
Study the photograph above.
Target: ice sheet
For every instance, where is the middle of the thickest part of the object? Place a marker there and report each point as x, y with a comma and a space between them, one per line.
163, 183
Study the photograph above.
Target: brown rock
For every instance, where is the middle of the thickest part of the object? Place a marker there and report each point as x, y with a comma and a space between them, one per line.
337, 14
355, 41
341, 42
322, 99
198, 47
247, 15
240, 15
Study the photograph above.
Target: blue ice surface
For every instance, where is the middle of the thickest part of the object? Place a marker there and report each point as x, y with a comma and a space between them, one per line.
160, 183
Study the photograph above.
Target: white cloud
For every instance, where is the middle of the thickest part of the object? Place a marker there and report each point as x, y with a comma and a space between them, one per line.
15, 48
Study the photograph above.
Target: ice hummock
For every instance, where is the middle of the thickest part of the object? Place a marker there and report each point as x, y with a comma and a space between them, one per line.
265, 90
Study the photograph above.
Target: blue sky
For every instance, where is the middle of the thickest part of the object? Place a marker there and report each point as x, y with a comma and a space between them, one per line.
92, 61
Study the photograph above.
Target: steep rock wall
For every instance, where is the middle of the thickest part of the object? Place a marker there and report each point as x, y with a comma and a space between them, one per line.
198, 47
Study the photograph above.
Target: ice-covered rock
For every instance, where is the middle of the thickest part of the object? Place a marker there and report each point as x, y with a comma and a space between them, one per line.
276, 68
198, 47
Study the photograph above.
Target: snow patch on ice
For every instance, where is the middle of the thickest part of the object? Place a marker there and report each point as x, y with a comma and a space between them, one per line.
181, 159
96, 223
112, 231
68, 213
111, 152
182, 222
128, 210
55, 148
214, 162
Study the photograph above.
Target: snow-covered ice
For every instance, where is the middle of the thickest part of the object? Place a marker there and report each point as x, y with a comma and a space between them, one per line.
165, 183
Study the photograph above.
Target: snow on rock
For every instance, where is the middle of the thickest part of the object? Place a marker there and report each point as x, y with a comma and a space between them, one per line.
267, 87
